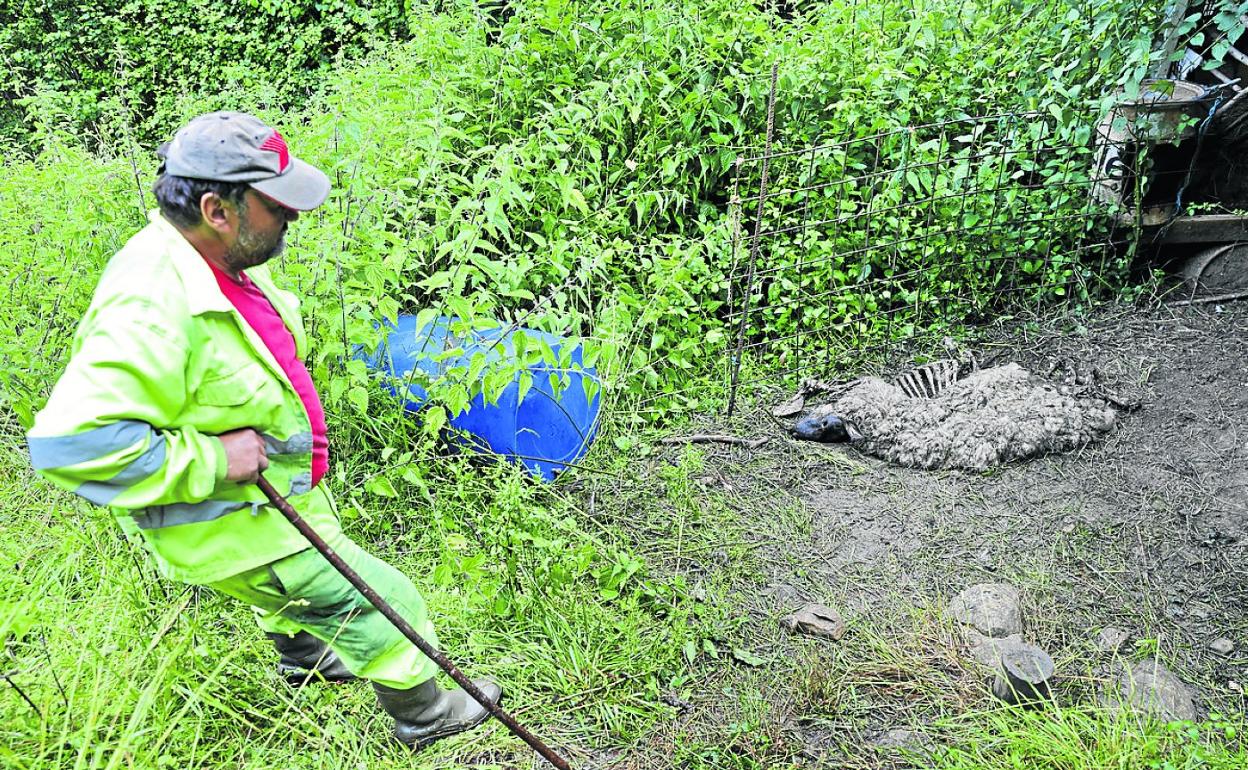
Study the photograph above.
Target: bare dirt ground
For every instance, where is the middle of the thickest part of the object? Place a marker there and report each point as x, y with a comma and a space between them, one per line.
1145, 531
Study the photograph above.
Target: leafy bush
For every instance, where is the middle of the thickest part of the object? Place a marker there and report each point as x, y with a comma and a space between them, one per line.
55, 247
105, 63
574, 175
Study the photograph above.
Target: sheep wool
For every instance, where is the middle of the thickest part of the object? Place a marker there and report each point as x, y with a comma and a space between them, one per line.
987, 419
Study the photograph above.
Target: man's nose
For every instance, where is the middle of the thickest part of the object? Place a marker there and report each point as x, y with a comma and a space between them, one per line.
291, 215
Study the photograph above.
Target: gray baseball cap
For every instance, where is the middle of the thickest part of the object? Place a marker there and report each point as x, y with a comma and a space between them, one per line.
237, 147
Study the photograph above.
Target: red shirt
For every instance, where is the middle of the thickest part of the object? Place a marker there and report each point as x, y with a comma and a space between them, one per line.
251, 303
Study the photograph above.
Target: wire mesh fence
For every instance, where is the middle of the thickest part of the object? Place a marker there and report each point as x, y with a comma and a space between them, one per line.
869, 248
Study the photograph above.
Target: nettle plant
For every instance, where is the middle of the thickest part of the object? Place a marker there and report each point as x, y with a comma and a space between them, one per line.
905, 203
569, 168
61, 216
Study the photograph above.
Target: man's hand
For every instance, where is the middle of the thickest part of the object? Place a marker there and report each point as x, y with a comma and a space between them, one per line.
244, 454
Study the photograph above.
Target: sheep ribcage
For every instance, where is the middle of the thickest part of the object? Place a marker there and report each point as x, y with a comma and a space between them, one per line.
928, 380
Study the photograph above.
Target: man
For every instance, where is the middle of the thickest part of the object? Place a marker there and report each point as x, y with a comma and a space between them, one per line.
186, 381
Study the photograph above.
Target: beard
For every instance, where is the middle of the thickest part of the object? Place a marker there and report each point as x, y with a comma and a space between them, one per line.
253, 248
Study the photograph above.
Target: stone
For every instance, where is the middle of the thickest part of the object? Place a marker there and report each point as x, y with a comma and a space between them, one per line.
986, 651
1222, 646
899, 738
1026, 671
1148, 687
783, 593
992, 609
815, 620
1200, 610
672, 699
1111, 639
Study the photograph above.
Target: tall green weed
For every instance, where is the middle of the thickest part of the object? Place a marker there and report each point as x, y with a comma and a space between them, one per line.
97, 65
571, 173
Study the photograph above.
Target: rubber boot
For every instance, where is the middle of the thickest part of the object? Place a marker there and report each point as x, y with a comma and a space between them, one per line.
426, 712
307, 659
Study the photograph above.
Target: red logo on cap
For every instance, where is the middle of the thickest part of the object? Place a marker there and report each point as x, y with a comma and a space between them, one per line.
277, 144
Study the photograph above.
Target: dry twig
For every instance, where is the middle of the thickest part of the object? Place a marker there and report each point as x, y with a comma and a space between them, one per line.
1206, 300
710, 438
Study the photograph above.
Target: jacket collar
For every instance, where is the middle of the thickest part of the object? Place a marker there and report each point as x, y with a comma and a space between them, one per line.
202, 293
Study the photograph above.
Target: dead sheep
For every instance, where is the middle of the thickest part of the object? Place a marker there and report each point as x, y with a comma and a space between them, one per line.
987, 419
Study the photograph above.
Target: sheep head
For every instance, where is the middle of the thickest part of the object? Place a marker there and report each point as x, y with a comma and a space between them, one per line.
852, 416
822, 425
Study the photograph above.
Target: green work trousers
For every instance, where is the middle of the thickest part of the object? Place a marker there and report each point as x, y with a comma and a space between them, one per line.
303, 592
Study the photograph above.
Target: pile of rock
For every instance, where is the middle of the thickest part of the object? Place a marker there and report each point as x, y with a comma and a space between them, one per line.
991, 619
991, 622
1142, 686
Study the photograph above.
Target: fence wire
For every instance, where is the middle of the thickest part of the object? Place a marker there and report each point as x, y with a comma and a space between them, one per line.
868, 250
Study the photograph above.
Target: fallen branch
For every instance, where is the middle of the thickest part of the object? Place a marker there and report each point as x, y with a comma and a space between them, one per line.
25, 697
1206, 300
710, 438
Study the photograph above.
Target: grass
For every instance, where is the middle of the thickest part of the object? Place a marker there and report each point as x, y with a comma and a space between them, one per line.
1085, 738
682, 664
122, 669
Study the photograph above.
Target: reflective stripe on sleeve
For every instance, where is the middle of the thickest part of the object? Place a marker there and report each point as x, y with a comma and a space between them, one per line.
143, 466
209, 510
186, 513
300, 484
62, 451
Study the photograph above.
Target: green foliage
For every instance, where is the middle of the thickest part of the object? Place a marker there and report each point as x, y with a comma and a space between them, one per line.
157, 59
566, 167
54, 254
915, 215
1212, 30
1087, 739
574, 175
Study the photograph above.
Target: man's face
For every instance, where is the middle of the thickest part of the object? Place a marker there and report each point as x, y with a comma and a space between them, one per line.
261, 231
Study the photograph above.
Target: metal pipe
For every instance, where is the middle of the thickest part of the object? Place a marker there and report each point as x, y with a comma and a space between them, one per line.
404, 627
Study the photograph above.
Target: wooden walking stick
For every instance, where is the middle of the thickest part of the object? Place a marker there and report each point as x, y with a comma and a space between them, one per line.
405, 628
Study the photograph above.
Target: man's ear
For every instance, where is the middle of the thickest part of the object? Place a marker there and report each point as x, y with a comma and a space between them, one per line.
215, 212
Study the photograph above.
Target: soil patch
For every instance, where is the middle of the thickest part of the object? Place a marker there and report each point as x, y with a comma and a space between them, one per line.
1144, 531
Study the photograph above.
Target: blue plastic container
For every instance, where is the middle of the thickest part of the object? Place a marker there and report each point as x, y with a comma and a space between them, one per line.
544, 432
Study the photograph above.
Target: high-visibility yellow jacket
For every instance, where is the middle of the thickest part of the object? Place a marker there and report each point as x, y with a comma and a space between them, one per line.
160, 364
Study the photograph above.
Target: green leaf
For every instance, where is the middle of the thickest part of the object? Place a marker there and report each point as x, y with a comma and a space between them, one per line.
16, 619
524, 384
381, 486
433, 419
359, 397
745, 656
578, 200
439, 280
425, 317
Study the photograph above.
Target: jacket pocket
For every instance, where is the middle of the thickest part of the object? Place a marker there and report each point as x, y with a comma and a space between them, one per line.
233, 388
